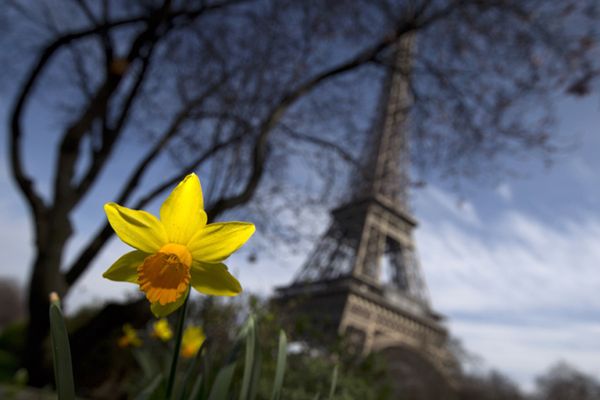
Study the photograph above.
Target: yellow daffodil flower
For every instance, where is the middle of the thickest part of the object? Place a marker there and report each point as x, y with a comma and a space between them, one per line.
178, 251
129, 338
192, 340
162, 330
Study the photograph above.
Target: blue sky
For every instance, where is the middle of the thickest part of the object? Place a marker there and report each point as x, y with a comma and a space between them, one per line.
514, 264
516, 267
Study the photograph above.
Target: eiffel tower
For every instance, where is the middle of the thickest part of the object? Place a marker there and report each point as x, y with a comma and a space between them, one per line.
363, 279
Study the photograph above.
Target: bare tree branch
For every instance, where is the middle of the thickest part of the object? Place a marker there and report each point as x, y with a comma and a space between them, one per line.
106, 232
23, 180
321, 143
111, 133
260, 146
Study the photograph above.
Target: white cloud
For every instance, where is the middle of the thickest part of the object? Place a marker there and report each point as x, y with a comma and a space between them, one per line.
505, 192
522, 295
436, 202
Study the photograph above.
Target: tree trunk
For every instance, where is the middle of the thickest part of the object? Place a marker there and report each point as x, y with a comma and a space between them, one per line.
45, 278
35, 353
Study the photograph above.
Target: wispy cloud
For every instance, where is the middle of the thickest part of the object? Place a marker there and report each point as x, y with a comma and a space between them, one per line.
437, 203
505, 191
523, 294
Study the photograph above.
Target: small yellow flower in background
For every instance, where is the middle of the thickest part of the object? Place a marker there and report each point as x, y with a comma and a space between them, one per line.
192, 340
178, 251
129, 338
162, 330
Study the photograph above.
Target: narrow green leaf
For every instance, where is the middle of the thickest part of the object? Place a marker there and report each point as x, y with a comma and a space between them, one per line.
333, 382
151, 391
250, 332
206, 377
196, 389
192, 373
280, 366
254, 380
147, 363
220, 389
61, 352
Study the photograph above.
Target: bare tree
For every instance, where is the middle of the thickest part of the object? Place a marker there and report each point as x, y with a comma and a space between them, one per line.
492, 386
244, 90
564, 382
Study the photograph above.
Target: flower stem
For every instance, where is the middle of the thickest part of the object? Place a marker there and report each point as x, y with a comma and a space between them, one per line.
178, 335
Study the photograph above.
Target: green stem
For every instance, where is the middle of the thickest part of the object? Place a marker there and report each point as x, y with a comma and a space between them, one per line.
178, 336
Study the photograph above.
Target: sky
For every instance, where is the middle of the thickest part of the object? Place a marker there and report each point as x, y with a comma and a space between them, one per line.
516, 267
513, 264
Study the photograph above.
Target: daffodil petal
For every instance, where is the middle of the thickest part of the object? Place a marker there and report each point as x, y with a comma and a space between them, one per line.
217, 241
137, 228
214, 280
125, 268
182, 213
160, 311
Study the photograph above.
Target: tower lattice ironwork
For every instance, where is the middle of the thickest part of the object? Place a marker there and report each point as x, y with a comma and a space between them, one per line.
363, 279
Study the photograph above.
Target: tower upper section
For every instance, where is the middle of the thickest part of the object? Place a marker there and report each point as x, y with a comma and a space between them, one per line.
386, 173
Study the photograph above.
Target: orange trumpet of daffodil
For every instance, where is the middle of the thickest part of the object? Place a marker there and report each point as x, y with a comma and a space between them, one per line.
178, 250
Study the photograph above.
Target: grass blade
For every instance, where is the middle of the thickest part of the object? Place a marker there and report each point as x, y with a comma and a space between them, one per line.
222, 384
280, 367
250, 332
193, 373
153, 390
61, 352
333, 382
196, 389
146, 363
206, 377
255, 372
